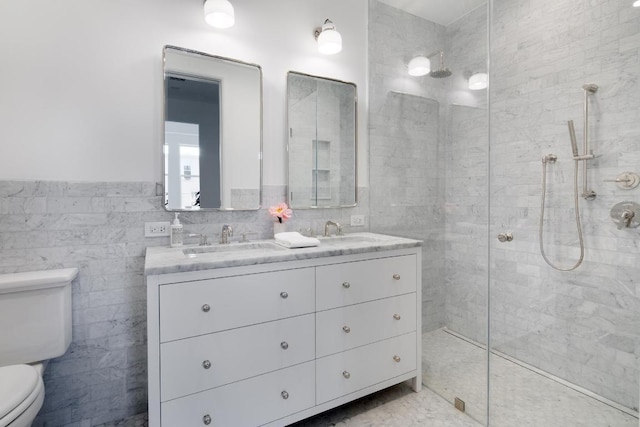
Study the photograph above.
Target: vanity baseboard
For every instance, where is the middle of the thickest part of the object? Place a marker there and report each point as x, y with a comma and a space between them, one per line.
305, 360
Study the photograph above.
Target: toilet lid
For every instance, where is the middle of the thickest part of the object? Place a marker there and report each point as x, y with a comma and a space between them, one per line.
17, 382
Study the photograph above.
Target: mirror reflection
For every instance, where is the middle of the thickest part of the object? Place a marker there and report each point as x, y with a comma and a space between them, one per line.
213, 132
322, 142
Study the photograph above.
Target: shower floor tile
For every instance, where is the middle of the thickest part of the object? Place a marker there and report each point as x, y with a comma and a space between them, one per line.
397, 406
454, 367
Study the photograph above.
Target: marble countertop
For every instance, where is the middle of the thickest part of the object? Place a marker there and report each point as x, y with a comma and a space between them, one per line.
163, 260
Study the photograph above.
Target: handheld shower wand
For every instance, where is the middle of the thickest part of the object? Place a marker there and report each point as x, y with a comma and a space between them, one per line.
587, 194
572, 135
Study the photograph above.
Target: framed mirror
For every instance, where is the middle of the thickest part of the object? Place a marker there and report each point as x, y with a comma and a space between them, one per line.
212, 149
322, 142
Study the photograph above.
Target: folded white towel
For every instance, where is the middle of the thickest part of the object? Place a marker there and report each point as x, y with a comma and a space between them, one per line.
293, 239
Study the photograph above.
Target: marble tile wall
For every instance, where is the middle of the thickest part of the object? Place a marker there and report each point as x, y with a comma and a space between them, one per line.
99, 228
404, 132
465, 149
583, 326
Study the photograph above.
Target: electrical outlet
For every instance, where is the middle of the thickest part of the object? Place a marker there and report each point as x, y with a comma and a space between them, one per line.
156, 229
357, 220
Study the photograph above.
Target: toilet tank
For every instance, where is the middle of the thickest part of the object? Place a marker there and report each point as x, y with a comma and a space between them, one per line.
35, 315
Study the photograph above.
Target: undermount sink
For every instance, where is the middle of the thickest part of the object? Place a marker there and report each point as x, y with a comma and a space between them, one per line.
348, 238
233, 247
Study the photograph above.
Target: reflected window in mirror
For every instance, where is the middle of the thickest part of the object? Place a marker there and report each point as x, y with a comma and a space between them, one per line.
213, 132
322, 142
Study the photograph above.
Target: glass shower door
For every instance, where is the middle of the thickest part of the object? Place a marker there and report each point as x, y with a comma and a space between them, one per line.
565, 345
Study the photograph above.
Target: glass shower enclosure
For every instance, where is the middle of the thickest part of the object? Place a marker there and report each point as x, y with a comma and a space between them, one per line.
507, 337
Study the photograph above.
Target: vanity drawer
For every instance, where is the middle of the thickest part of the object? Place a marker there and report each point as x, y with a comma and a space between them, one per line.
249, 403
356, 325
234, 355
353, 370
338, 285
201, 307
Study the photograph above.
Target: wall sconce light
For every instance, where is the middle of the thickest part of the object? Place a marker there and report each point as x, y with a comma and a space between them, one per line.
419, 66
478, 81
219, 13
329, 39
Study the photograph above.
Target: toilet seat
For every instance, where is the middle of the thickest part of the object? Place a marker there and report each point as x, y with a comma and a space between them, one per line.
21, 390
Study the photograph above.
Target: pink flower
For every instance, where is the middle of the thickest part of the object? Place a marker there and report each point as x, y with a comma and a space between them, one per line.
281, 212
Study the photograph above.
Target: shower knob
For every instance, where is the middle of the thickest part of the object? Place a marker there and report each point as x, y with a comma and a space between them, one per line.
505, 237
626, 215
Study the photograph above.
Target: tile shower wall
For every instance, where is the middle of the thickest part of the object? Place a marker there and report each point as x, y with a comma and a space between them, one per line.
404, 160
582, 326
98, 227
465, 150
427, 182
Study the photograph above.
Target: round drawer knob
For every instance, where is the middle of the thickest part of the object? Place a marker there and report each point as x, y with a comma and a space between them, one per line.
396, 358
396, 276
284, 345
206, 308
206, 420
284, 394
346, 285
346, 329
396, 316
284, 295
206, 364
346, 374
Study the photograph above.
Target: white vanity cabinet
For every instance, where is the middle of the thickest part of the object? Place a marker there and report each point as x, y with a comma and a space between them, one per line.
274, 343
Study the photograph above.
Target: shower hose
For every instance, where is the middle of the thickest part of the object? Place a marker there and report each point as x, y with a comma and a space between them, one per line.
545, 160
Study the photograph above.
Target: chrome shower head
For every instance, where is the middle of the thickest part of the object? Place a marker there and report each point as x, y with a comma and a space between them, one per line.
590, 87
442, 71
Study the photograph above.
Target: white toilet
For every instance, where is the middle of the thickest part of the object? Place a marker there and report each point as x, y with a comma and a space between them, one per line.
35, 325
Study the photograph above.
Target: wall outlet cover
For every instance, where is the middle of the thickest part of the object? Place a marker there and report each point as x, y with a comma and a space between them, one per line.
357, 220
157, 229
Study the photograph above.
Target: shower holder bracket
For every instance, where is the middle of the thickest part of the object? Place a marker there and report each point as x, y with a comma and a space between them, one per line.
626, 180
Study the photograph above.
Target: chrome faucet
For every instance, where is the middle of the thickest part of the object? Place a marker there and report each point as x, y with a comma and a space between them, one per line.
329, 224
227, 231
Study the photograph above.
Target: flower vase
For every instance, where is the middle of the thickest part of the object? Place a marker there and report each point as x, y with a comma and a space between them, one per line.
279, 227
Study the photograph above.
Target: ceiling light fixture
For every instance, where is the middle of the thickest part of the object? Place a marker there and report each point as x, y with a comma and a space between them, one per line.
636, 3
219, 13
478, 81
329, 39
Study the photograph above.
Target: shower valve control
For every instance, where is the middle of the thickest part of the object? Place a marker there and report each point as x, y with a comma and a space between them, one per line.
626, 180
505, 237
626, 215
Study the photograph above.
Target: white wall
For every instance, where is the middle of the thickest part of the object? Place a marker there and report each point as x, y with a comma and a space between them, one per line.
81, 81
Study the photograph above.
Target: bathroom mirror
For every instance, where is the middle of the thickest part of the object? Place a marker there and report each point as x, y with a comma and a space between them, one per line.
322, 142
212, 150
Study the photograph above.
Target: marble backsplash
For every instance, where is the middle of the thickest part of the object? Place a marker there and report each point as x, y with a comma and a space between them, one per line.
99, 228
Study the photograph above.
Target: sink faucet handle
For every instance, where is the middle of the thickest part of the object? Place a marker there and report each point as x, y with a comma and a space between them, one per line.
245, 234
204, 240
227, 231
307, 232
